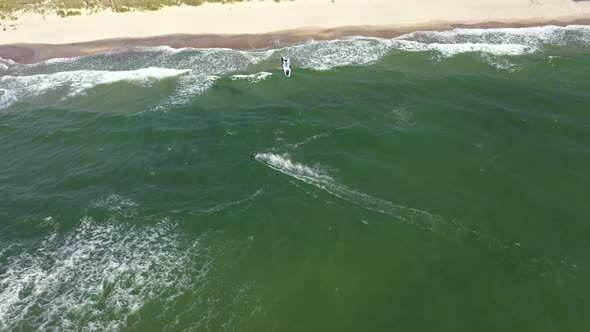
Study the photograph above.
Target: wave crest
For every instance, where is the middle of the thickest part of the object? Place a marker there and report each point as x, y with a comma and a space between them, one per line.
78, 82
253, 78
198, 69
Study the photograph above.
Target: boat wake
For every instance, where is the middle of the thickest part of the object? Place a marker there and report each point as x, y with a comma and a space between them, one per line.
508, 252
319, 179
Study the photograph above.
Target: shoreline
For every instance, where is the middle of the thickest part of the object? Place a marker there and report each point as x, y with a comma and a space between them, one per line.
268, 24
27, 53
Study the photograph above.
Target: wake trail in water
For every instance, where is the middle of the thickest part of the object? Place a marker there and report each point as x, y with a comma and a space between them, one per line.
319, 179
415, 217
227, 205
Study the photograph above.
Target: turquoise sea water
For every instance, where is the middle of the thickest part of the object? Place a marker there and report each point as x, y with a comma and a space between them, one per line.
433, 182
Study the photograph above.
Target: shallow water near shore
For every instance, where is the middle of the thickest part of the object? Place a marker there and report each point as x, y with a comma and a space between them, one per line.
432, 182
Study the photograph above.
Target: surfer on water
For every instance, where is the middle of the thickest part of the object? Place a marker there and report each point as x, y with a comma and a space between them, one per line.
286, 65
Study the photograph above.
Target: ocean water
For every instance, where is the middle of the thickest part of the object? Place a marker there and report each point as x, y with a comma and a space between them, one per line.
439, 181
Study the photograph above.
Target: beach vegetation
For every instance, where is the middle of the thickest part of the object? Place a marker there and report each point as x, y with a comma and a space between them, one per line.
63, 13
122, 9
64, 8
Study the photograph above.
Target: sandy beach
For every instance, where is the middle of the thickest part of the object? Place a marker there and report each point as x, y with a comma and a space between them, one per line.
260, 24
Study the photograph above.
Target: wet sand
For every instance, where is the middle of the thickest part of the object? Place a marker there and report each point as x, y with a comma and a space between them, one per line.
30, 53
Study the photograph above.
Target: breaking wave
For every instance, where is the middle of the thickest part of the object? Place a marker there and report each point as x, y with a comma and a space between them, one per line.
104, 272
77, 82
196, 70
533, 36
254, 78
61, 282
326, 55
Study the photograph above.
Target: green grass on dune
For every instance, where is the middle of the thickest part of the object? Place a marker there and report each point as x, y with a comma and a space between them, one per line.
73, 7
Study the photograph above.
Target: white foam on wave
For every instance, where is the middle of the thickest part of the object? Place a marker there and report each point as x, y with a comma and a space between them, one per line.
353, 51
449, 50
401, 117
255, 57
532, 36
64, 281
501, 63
200, 68
163, 48
55, 61
326, 55
214, 61
283, 164
197, 70
187, 88
356, 51
117, 206
78, 82
253, 78
99, 274
5, 65
7, 97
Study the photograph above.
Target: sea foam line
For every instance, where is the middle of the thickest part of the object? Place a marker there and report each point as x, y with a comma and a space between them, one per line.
531, 36
253, 78
199, 68
77, 82
82, 80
